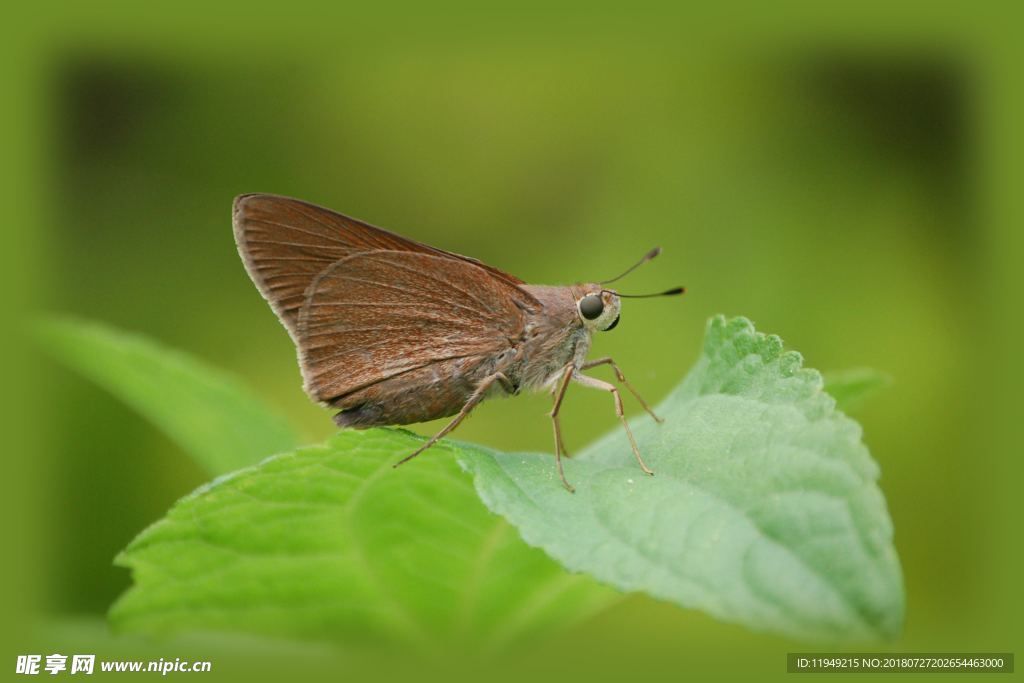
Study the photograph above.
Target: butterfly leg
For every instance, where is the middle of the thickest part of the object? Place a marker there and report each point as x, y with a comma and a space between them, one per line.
559, 394
605, 386
607, 360
478, 395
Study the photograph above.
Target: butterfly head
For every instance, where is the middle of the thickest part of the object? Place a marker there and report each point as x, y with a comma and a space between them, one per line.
598, 308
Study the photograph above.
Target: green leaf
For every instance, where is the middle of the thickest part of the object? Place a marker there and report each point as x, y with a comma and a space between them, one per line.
330, 542
763, 509
209, 414
851, 387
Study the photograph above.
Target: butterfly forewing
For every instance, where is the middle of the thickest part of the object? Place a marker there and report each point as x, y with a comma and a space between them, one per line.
285, 243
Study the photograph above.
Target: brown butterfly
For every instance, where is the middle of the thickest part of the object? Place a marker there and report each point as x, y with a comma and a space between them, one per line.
391, 332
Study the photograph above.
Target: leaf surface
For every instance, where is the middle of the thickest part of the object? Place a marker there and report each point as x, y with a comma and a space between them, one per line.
764, 508
331, 543
209, 414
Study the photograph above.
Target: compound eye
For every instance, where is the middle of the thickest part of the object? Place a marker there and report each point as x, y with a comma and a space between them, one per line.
591, 306
614, 323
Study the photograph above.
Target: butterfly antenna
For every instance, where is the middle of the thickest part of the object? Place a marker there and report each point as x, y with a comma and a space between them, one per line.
647, 257
671, 292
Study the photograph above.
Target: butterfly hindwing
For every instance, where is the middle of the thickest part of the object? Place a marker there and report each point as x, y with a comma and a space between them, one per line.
379, 314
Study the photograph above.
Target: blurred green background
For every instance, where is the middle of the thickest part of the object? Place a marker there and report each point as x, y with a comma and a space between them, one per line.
841, 180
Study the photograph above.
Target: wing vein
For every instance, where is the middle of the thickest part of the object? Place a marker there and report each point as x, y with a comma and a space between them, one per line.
291, 226
457, 289
442, 302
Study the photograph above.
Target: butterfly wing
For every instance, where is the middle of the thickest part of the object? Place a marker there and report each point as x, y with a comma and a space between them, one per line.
285, 243
377, 315
365, 306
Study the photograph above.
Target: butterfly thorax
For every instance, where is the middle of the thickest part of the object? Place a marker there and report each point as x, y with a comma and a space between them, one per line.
552, 337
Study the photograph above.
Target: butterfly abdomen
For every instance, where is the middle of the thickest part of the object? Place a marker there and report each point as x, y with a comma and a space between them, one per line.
361, 417
427, 393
